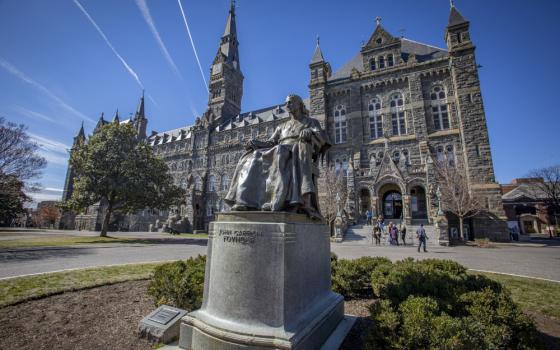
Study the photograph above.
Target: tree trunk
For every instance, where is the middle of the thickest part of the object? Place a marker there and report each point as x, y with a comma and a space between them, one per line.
106, 220
461, 234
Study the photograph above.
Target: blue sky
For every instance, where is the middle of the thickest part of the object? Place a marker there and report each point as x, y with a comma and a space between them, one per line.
56, 70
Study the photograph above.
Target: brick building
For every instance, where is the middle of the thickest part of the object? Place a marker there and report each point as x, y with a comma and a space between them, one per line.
392, 111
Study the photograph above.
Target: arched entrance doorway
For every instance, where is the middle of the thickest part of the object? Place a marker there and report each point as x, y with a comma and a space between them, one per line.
365, 201
392, 205
418, 207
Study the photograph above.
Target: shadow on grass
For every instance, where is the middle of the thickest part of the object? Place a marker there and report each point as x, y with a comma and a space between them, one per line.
15, 256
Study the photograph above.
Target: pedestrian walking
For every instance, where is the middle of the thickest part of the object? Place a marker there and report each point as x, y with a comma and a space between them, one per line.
369, 216
421, 235
377, 234
403, 234
395, 234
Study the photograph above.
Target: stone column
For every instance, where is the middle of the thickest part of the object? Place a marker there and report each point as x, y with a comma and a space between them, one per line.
407, 216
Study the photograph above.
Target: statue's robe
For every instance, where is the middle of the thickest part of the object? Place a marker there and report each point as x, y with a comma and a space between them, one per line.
281, 170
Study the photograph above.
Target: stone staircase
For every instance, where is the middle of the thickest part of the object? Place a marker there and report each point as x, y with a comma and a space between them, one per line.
361, 235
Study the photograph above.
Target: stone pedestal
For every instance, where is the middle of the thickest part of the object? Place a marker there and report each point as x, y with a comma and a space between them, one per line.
440, 228
267, 285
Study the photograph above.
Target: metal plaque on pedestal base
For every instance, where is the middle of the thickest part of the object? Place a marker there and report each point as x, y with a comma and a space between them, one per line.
267, 285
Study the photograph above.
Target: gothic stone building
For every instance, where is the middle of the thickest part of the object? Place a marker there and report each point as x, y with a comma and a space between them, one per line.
392, 111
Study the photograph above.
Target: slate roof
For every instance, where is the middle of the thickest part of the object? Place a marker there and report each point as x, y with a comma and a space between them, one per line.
245, 119
317, 55
525, 190
423, 52
455, 17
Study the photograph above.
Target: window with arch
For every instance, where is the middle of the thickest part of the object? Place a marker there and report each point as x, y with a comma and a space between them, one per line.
396, 157
184, 183
381, 60
224, 183
372, 65
211, 183
379, 157
450, 155
340, 124
375, 119
390, 60
398, 121
406, 156
440, 113
440, 155
345, 166
198, 183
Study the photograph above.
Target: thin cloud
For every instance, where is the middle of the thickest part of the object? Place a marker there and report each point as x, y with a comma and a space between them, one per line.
192, 44
126, 65
22, 76
52, 189
48, 144
32, 114
143, 6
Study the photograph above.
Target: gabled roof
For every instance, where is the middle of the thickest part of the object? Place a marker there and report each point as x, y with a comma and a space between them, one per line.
423, 52
525, 191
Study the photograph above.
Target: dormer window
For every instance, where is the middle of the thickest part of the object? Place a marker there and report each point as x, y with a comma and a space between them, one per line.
379, 40
372, 64
390, 60
381, 62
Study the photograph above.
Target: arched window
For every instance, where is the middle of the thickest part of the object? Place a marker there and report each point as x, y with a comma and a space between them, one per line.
450, 155
198, 183
440, 155
224, 183
375, 119
440, 113
340, 124
406, 157
379, 157
396, 157
397, 114
390, 60
211, 183
381, 60
184, 183
345, 166
337, 166
372, 64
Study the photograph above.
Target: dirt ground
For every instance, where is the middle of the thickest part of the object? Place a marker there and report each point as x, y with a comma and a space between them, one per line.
107, 317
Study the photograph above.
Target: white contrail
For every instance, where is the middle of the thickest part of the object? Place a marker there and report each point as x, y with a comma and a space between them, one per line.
29, 113
150, 21
22, 76
192, 44
128, 68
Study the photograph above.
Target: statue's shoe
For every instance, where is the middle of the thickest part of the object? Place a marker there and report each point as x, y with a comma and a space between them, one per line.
240, 207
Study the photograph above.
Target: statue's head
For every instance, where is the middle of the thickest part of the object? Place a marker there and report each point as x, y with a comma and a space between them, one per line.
296, 107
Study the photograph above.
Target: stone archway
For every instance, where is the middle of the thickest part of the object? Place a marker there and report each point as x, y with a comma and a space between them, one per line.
391, 201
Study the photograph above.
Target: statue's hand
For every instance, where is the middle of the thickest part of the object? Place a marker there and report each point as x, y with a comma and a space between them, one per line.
305, 135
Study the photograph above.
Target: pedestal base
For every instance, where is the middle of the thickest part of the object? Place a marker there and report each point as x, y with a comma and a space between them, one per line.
267, 285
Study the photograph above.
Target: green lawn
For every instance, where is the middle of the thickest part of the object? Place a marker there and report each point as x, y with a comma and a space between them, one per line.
57, 241
19, 289
532, 294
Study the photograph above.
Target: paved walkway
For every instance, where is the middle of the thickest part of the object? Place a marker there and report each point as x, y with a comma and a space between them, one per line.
539, 259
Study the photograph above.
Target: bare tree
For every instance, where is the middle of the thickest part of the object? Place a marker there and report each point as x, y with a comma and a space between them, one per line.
331, 184
550, 186
456, 196
19, 163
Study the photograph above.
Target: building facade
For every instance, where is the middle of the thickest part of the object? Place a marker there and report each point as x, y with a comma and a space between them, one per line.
392, 112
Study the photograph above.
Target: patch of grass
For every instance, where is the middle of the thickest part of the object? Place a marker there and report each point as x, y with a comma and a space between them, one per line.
532, 294
59, 241
15, 290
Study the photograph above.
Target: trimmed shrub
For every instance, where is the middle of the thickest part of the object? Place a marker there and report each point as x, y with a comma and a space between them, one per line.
435, 304
352, 278
179, 284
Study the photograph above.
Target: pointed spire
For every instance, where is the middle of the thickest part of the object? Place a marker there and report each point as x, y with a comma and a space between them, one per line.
455, 18
377, 21
140, 109
228, 51
317, 55
116, 117
82, 133
100, 123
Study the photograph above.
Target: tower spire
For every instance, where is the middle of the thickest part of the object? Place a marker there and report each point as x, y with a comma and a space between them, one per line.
116, 117
140, 109
318, 54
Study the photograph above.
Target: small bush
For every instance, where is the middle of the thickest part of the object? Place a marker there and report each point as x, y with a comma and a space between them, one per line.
352, 278
179, 284
435, 304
